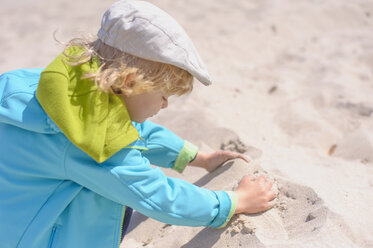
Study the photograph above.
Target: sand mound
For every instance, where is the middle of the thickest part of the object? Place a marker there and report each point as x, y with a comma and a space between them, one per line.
299, 214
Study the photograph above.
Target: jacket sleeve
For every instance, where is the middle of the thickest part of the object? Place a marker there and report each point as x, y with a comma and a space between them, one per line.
165, 148
129, 179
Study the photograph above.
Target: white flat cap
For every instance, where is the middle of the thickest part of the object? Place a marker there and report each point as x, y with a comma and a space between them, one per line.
143, 30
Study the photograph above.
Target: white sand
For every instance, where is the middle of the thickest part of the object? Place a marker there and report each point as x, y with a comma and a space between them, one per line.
293, 86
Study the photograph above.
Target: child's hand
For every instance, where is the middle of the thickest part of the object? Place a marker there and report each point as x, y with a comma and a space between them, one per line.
211, 161
254, 195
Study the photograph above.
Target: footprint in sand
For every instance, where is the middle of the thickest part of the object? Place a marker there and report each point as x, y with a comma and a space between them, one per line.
302, 210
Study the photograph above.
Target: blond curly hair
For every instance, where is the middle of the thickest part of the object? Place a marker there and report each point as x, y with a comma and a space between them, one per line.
123, 73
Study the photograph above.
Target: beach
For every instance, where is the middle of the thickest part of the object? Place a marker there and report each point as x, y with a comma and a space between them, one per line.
292, 90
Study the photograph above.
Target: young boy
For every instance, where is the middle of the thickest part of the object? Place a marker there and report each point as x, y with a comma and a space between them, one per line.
76, 149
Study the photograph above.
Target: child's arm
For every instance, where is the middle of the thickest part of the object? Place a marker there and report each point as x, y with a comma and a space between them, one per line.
128, 179
167, 150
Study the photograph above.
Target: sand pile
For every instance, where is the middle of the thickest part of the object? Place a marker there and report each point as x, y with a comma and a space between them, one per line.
300, 216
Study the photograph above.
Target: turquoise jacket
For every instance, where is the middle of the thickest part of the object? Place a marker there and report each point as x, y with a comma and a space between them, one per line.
52, 194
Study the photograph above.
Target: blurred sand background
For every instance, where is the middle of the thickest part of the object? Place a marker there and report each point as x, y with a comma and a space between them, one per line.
293, 87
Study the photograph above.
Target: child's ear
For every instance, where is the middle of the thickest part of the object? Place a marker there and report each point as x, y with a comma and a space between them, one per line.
128, 84
128, 81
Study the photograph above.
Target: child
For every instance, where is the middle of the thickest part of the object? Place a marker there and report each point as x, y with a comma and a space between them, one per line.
76, 149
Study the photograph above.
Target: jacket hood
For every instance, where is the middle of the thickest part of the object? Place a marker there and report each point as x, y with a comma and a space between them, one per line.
95, 121
18, 104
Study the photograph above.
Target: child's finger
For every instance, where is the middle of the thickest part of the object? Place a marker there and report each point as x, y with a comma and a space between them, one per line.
243, 158
269, 185
238, 155
261, 179
272, 195
270, 205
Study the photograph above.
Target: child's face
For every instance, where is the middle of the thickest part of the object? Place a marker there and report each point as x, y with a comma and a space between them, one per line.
142, 106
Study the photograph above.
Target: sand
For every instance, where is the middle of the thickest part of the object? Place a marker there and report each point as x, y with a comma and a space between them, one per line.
293, 86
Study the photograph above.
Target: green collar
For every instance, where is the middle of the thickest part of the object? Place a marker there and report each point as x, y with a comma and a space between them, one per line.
95, 121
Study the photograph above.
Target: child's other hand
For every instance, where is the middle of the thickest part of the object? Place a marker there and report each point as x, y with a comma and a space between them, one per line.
211, 161
254, 195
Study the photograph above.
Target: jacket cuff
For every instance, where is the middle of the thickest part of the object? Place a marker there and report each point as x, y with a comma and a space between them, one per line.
225, 209
187, 154
233, 198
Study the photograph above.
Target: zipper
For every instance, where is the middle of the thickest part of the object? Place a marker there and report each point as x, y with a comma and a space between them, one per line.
51, 239
121, 226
